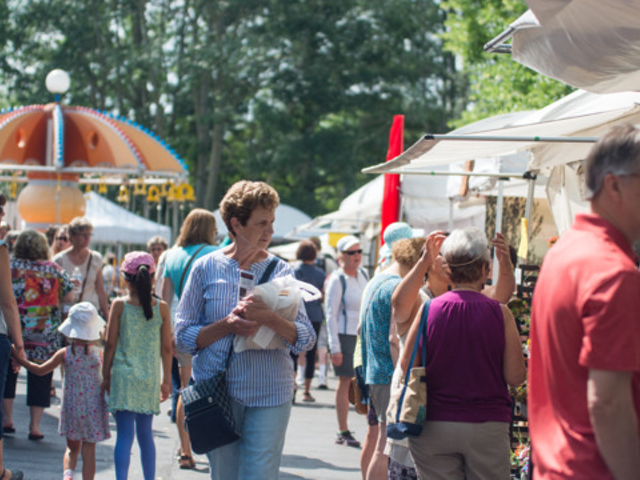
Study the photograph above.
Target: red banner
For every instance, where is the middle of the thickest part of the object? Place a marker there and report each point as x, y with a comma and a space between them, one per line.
391, 196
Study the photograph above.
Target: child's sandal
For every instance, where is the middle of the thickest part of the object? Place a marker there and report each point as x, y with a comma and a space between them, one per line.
15, 475
186, 462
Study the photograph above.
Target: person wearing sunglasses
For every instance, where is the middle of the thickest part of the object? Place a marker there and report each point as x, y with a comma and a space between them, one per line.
60, 240
343, 296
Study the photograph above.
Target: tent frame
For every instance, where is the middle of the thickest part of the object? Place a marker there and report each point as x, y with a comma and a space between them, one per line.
529, 175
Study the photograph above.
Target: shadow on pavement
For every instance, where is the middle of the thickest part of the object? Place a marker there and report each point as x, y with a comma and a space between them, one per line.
309, 463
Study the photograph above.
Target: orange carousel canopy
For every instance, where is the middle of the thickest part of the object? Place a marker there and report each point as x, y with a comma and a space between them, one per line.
69, 139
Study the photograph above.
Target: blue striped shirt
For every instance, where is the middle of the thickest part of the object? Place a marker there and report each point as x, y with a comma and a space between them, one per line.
256, 378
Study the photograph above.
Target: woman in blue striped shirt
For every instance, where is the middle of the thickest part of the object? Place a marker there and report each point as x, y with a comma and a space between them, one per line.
212, 311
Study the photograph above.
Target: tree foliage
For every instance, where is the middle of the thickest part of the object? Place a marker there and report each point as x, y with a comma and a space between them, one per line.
299, 93
497, 84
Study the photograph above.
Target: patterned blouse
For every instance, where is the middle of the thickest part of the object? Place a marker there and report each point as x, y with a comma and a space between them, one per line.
256, 378
39, 287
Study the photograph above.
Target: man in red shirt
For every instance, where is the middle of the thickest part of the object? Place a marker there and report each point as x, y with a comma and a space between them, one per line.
584, 370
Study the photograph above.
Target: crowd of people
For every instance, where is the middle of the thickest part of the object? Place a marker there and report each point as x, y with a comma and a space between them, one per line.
176, 315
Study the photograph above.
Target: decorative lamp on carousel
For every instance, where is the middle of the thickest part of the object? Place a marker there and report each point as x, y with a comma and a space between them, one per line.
56, 145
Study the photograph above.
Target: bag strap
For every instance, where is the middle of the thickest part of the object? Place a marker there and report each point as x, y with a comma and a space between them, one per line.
422, 335
263, 279
268, 271
186, 269
86, 275
343, 283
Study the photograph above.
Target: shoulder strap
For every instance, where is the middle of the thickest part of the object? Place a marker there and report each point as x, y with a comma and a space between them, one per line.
86, 275
186, 269
422, 335
269, 270
364, 273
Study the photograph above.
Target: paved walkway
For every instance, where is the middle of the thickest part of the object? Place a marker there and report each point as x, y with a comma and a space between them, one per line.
309, 453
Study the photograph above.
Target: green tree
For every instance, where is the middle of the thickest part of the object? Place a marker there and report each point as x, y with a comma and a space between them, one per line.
497, 84
298, 93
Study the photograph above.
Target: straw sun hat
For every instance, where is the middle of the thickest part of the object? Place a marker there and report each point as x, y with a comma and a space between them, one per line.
83, 323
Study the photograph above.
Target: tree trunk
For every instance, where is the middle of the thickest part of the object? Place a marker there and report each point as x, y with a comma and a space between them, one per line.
215, 160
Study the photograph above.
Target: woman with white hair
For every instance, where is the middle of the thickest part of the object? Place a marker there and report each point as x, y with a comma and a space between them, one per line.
473, 353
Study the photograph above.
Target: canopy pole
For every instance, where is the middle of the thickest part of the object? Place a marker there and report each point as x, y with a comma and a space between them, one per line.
499, 212
528, 208
450, 224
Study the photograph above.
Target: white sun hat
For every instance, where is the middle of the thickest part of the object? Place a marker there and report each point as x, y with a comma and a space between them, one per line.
83, 323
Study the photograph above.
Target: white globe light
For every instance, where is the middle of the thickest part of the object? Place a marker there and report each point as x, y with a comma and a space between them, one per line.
57, 81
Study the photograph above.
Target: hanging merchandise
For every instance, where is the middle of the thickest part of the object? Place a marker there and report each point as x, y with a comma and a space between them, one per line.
139, 187
173, 195
102, 187
153, 194
13, 188
186, 192
165, 189
123, 196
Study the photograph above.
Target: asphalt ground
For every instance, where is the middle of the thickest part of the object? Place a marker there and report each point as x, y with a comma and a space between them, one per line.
309, 452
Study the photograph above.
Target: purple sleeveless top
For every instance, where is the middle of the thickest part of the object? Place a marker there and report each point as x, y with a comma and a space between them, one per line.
465, 356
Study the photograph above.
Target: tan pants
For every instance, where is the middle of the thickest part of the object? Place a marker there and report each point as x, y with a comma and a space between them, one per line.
459, 451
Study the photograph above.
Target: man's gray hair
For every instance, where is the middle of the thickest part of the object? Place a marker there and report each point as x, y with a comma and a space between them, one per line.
617, 152
466, 251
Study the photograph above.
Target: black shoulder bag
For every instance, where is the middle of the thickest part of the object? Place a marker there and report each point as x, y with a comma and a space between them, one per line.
208, 417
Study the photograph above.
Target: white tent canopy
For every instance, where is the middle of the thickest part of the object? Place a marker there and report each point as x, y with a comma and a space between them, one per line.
113, 224
572, 115
581, 113
590, 44
424, 205
287, 219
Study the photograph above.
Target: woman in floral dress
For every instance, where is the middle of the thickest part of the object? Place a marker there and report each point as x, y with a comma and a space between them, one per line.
39, 286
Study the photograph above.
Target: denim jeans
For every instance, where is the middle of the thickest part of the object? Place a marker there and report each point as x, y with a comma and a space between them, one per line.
257, 454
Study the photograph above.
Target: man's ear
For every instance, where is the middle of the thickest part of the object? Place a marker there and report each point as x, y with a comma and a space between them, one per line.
611, 186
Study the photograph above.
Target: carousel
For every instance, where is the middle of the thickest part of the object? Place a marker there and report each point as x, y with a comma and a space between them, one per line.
49, 152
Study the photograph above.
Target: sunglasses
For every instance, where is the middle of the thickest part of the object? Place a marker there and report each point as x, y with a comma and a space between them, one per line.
64, 239
353, 252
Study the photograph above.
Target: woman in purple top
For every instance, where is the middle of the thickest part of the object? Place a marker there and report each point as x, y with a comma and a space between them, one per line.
473, 352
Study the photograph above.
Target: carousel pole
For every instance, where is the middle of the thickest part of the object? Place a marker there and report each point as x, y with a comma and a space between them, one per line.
57, 82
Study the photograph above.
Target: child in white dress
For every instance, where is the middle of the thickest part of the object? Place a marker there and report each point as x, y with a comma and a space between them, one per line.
84, 419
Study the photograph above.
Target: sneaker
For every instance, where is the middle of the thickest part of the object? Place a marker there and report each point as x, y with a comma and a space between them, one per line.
345, 438
323, 386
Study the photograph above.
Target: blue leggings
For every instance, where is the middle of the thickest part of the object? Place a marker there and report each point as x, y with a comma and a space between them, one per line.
125, 422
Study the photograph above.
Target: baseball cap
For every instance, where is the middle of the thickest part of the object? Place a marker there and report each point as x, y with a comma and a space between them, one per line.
133, 260
345, 243
397, 231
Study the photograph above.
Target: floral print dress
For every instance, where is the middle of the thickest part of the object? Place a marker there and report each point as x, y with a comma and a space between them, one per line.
84, 416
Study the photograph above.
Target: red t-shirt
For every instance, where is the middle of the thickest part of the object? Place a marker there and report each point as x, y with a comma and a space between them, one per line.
585, 315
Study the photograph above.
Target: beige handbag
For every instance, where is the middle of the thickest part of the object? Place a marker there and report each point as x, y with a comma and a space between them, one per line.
408, 402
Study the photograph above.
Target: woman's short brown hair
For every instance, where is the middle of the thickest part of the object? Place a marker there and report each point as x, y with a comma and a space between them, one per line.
157, 240
307, 251
31, 245
199, 227
79, 225
243, 198
407, 251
